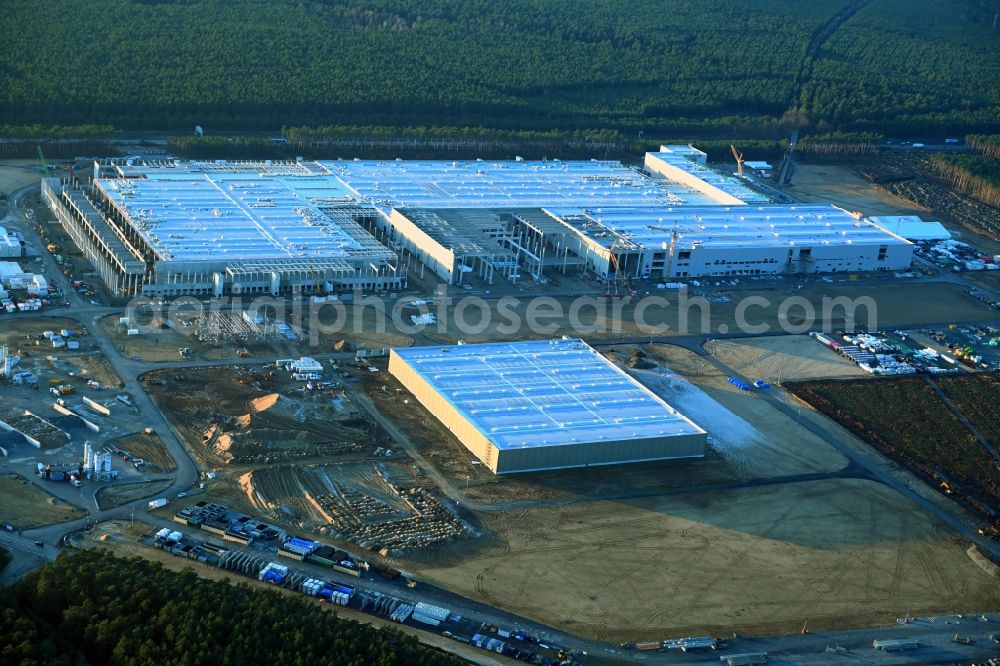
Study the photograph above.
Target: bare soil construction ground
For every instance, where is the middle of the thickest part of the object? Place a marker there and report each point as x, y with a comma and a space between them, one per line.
782, 358
248, 415
24, 506
14, 330
122, 493
913, 420
711, 310
753, 437
626, 553
842, 186
839, 553
92, 367
15, 174
148, 447
318, 329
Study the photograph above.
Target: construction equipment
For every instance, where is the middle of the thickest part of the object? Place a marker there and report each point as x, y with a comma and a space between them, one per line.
788, 161
613, 279
41, 158
739, 160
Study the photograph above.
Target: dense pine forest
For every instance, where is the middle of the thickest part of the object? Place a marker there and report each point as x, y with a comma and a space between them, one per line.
698, 67
89, 607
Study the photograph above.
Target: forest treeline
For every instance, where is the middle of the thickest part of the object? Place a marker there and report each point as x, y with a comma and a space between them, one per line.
976, 175
988, 143
38, 131
712, 68
89, 607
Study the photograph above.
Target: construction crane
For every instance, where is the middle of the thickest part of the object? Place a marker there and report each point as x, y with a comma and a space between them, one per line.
739, 160
41, 158
613, 280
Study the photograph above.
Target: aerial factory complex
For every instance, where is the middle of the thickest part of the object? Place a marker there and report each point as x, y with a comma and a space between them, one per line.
218, 228
543, 405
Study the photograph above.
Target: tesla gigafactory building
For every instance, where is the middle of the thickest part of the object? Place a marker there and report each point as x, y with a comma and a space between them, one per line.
544, 405
170, 227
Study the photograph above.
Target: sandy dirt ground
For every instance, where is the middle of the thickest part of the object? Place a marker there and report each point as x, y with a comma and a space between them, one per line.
122, 493
891, 304
319, 331
149, 448
754, 438
841, 186
13, 332
251, 415
837, 553
782, 358
15, 174
93, 367
24, 506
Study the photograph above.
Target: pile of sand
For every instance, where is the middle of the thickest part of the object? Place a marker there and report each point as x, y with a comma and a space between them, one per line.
265, 402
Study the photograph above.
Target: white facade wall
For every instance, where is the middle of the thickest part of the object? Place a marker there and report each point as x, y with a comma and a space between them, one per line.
657, 165
10, 247
841, 258
435, 256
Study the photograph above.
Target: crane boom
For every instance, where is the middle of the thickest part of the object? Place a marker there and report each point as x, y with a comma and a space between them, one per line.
41, 158
739, 160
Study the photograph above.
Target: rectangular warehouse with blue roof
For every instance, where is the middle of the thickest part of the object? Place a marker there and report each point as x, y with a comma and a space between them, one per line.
544, 405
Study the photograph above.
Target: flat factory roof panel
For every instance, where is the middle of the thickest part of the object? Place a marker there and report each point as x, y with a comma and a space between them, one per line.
724, 226
491, 184
729, 184
544, 393
186, 215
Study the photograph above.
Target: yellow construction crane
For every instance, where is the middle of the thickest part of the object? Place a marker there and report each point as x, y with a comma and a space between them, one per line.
739, 160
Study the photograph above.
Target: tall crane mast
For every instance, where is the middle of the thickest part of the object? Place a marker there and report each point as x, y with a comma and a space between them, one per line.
41, 158
739, 160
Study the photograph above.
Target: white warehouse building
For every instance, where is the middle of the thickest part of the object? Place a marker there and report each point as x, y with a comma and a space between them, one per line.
544, 405
214, 228
694, 241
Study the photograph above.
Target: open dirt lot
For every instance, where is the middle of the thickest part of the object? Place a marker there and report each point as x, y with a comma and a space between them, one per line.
94, 367
836, 553
253, 415
319, 329
753, 437
15, 174
122, 493
712, 310
782, 358
150, 449
24, 506
840, 185
14, 330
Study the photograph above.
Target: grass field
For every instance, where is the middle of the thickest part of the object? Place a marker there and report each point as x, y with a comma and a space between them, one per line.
25, 506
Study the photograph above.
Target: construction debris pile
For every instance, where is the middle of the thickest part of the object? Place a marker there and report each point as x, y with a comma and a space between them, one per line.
431, 523
356, 502
273, 429
245, 327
